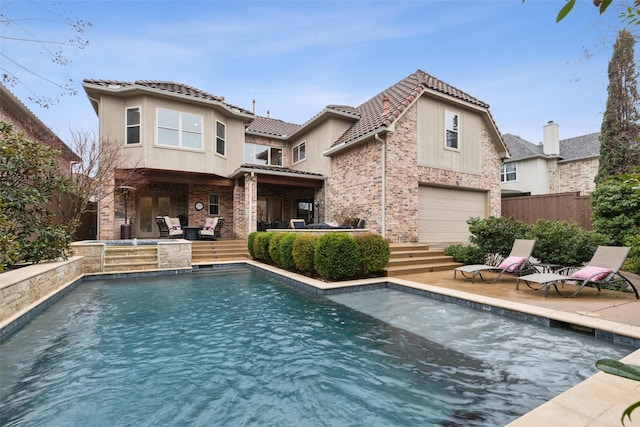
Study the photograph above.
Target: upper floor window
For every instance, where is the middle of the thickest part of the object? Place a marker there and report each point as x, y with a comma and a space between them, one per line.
508, 172
214, 204
177, 129
262, 154
133, 125
221, 138
299, 152
451, 130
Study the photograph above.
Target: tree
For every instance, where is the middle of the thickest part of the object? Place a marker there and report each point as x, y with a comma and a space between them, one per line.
631, 15
31, 183
101, 162
619, 148
22, 31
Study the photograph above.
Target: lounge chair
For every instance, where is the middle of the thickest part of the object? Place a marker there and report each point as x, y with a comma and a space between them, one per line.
169, 227
604, 267
297, 223
209, 229
516, 263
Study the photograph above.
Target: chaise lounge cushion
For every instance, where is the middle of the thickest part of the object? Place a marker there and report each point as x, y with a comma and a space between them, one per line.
592, 273
511, 263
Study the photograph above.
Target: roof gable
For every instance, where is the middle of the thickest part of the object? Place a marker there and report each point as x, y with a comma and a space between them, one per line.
383, 109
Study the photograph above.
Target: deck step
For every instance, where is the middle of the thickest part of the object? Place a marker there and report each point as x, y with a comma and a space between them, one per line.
409, 258
218, 250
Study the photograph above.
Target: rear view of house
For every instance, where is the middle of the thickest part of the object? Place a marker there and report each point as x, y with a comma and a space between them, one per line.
415, 161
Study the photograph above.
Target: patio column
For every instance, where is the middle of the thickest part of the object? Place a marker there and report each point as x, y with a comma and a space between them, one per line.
251, 201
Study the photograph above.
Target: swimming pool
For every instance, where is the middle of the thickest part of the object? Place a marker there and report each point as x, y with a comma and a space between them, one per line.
237, 348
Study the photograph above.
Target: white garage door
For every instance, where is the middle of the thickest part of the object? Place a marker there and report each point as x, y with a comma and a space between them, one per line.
443, 214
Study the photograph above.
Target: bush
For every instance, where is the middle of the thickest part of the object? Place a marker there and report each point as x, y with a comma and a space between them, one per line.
261, 246
564, 243
250, 239
286, 251
337, 256
303, 252
374, 251
466, 254
495, 236
274, 248
632, 263
615, 206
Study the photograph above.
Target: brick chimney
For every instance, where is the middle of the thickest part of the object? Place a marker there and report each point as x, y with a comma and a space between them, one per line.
551, 141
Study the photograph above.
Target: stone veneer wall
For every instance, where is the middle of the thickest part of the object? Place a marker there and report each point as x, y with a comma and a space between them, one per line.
25, 287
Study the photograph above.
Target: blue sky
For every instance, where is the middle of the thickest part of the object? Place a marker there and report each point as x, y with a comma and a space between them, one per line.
294, 57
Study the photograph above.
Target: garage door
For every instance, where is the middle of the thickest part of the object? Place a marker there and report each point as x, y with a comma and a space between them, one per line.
443, 214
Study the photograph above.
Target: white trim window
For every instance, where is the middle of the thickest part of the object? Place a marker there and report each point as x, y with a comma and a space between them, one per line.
221, 138
214, 204
299, 152
509, 172
452, 133
133, 125
262, 154
177, 129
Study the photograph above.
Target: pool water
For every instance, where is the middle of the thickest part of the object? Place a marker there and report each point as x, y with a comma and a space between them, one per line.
238, 349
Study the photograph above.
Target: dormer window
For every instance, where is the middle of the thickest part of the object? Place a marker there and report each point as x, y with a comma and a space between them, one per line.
299, 152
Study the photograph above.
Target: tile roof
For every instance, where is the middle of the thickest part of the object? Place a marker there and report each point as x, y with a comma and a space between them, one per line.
579, 147
166, 86
272, 127
371, 115
276, 169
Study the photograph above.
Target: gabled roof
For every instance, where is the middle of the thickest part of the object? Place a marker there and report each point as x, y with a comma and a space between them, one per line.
167, 87
371, 116
579, 147
274, 170
271, 127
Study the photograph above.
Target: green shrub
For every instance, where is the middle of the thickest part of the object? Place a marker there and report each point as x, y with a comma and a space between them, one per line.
466, 254
337, 256
615, 206
374, 251
632, 263
564, 243
303, 252
250, 239
495, 236
286, 251
261, 246
274, 248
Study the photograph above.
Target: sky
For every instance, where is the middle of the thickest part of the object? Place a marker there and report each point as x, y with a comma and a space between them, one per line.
295, 57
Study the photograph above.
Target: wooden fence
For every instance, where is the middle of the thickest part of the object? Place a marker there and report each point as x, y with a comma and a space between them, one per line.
552, 207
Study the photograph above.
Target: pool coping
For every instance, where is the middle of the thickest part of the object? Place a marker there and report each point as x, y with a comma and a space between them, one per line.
598, 401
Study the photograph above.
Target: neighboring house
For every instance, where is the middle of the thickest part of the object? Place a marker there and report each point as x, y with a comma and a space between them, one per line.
555, 166
415, 161
14, 111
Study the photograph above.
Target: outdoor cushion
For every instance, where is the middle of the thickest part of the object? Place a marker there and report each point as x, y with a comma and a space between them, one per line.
511, 263
589, 272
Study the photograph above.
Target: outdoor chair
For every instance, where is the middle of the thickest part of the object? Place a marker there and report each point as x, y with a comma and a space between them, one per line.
604, 267
169, 227
516, 263
209, 229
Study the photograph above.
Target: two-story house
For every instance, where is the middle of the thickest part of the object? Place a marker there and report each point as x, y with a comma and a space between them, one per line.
555, 166
415, 161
